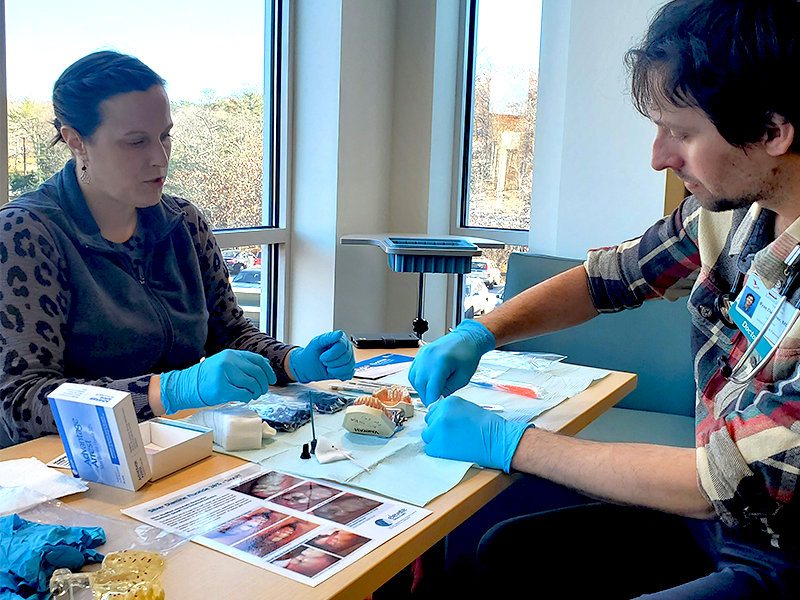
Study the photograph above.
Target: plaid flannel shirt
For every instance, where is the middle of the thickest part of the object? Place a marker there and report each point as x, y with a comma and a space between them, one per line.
747, 435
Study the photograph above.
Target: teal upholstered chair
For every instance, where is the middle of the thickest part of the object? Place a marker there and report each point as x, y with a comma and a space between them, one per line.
651, 341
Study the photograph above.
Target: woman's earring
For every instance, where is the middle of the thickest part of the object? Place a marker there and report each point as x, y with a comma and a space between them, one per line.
84, 174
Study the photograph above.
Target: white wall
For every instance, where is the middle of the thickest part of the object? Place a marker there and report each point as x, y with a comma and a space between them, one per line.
314, 168
362, 158
593, 185
376, 120
365, 126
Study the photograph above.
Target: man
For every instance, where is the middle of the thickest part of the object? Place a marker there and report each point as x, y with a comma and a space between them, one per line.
749, 302
715, 76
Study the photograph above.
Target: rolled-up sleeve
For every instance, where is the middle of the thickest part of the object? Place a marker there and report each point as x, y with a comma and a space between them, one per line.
663, 263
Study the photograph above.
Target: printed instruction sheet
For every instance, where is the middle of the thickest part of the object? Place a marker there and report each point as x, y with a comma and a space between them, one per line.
303, 529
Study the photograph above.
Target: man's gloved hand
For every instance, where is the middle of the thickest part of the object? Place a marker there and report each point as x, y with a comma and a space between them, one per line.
327, 356
446, 365
30, 552
228, 376
461, 430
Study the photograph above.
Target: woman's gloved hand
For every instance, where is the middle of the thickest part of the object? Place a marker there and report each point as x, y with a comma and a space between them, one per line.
446, 364
461, 430
228, 376
327, 356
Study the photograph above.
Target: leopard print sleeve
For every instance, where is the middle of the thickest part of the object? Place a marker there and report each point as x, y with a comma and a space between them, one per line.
34, 307
227, 325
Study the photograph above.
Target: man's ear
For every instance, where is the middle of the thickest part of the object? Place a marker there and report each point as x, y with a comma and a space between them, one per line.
779, 135
74, 141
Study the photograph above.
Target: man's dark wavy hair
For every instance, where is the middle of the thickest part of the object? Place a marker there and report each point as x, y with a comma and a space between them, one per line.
736, 60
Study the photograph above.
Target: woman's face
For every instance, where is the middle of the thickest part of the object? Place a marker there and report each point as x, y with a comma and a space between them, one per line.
128, 154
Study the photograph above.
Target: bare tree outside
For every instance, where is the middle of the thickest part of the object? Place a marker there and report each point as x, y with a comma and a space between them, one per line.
216, 157
504, 96
502, 151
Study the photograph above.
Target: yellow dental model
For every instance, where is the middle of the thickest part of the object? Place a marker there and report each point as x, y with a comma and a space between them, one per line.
125, 575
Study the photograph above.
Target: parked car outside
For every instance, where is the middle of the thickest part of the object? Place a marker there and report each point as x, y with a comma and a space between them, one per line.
476, 297
247, 278
486, 270
258, 259
238, 260
496, 297
246, 286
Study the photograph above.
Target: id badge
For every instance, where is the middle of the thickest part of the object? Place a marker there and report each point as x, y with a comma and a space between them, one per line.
754, 308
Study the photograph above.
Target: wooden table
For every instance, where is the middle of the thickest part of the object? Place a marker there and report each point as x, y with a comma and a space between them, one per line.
196, 572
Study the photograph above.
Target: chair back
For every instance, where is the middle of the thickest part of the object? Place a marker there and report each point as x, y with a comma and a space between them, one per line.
652, 341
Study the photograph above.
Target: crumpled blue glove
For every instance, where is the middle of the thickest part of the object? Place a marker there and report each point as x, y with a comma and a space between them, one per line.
228, 376
327, 356
446, 365
461, 430
30, 552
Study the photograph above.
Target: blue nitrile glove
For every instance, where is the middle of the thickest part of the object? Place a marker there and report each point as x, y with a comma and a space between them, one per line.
446, 365
327, 356
30, 552
228, 376
461, 430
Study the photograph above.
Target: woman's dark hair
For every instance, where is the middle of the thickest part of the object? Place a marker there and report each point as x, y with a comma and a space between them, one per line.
732, 59
86, 83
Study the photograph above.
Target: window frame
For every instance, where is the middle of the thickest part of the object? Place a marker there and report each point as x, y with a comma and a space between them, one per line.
460, 208
273, 235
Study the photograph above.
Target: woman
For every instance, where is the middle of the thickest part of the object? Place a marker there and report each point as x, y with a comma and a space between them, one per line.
106, 280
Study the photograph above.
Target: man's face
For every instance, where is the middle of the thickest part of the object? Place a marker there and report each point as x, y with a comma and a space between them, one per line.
721, 176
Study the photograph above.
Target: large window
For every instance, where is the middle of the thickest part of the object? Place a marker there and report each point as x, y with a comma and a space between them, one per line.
223, 66
502, 76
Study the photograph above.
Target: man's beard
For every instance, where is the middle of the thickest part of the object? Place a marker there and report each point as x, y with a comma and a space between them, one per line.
726, 204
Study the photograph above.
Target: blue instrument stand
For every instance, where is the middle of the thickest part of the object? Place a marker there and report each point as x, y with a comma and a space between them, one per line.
420, 253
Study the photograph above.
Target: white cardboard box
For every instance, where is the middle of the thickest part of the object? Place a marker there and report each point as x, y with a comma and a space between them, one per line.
172, 445
99, 429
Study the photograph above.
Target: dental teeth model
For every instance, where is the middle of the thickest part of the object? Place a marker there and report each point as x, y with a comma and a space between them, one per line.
125, 575
380, 414
396, 396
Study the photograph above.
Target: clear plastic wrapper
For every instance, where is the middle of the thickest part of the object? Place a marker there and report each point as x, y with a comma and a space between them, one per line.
282, 413
534, 361
120, 534
290, 409
25, 482
129, 537
324, 402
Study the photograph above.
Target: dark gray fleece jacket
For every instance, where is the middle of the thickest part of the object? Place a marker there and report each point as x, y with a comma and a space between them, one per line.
76, 307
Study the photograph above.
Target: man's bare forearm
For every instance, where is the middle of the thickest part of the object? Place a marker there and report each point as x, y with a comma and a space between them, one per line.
658, 477
557, 303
